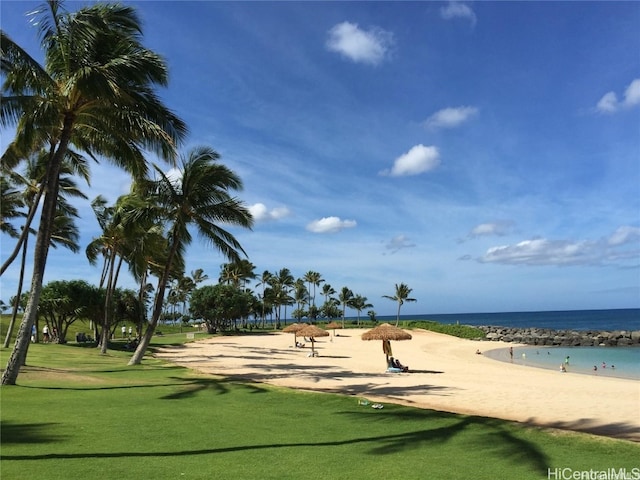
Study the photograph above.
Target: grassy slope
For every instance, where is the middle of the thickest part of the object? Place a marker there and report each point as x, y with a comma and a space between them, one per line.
78, 415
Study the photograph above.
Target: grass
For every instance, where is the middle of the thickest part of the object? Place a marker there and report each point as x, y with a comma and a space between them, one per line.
77, 414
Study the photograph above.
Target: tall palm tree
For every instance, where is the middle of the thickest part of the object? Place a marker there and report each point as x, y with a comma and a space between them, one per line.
96, 91
345, 297
313, 279
359, 303
65, 232
264, 281
200, 198
402, 295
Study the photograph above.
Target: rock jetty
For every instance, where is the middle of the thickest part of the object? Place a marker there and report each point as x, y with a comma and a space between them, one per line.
564, 338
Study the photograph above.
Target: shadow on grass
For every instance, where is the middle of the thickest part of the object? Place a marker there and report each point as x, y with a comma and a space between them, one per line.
21, 433
492, 437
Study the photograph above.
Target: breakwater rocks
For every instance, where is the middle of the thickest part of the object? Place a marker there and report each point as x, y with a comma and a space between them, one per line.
564, 338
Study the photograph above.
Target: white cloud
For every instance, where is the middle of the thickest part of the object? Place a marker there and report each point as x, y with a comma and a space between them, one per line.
418, 160
609, 102
622, 248
458, 10
450, 117
491, 229
398, 243
261, 213
330, 225
361, 46
624, 235
632, 94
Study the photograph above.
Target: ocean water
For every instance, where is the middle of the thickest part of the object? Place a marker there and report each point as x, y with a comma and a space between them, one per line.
626, 360
622, 362
608, 320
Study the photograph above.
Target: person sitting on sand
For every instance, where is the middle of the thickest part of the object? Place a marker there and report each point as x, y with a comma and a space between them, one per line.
397, 364
563, 369
478, 352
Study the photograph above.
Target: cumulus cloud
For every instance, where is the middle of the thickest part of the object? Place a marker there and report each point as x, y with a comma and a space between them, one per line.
450, 117
261, 213
349, 40
330, 225
620, 248
609, 102
398, 243
458, 10
418, 160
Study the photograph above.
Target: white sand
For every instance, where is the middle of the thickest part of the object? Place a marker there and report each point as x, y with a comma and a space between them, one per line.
446, 375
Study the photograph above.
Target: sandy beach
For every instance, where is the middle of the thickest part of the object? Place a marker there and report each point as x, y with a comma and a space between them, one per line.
446, 375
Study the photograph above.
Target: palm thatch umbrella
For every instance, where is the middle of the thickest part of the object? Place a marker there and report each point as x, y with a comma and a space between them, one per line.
333, 326
312, 331
294, 328
386, 332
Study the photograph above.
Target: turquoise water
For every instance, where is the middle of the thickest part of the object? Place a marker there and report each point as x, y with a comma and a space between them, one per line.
622, 362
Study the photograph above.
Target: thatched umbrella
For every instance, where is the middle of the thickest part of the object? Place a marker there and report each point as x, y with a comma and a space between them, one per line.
294, 328
333, 326
386, 332
312, 331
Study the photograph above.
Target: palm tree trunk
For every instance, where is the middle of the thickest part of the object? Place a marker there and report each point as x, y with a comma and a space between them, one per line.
14, 313
43, 240
136, 358
398, 315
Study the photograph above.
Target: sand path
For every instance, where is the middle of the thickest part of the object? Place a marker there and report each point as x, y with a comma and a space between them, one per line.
446, 375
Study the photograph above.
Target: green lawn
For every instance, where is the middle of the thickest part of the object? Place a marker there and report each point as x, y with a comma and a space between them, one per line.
78, 415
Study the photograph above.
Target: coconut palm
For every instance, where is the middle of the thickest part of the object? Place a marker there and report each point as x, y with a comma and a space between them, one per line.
345, 297
96, 90
264, 281
199, 198
359, 303
313, 279
402, 295
65, 232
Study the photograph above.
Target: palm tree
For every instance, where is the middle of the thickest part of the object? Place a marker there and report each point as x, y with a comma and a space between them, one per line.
280, 284
198, 276
360, 303
315, 279
345, 298
96, 91
264, 281
327, 291
402, 295
200, 198
65, 232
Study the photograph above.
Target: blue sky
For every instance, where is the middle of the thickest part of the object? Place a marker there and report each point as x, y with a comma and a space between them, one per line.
487, 154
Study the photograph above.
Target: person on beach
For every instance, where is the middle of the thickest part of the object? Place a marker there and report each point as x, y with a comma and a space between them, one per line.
397, 364
563, 369
566, 360
511, 353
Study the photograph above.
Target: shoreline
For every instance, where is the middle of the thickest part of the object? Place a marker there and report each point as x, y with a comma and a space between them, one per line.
501, 355
446, 375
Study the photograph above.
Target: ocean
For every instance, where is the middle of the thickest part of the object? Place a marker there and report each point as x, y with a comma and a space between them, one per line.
622, 362
607, 320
